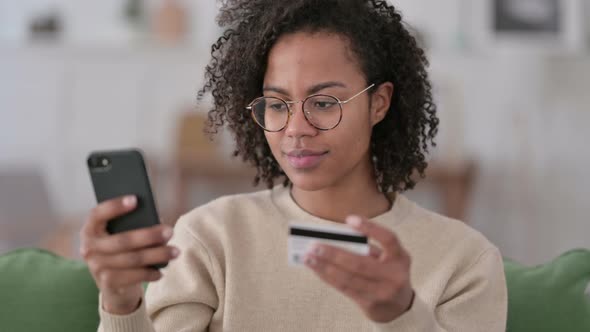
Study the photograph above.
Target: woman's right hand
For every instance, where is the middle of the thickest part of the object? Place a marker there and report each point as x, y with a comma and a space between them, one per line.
119, 263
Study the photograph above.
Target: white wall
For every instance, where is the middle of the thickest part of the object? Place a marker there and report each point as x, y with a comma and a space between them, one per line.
523, 118
100, 86
525, 124
100, 22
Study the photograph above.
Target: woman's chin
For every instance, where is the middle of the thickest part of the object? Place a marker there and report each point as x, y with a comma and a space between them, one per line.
309, 182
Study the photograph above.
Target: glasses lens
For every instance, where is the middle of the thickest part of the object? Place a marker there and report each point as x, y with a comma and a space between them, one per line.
322, 111
270, 113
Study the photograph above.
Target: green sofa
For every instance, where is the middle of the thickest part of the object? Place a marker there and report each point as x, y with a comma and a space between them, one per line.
40, 291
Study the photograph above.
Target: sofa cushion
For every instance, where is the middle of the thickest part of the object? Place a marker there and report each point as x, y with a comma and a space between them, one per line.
40, 291
550, 297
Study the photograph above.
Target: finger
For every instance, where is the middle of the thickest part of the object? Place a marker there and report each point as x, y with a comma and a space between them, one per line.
139, 258
364, 266
106, 211
354, 286
128, 241
374, 251
389, 242
113, 280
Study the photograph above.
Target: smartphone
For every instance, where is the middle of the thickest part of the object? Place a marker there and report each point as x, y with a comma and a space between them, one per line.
118, 173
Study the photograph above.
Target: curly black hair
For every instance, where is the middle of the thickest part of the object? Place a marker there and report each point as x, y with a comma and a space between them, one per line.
386, 52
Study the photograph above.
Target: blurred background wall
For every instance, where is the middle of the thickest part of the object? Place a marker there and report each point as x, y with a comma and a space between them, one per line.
76, 76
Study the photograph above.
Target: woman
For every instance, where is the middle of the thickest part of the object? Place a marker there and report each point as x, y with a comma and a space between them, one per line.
332, 98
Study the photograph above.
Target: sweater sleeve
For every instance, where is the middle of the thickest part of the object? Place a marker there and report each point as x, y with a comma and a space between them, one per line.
183, 300
474, 301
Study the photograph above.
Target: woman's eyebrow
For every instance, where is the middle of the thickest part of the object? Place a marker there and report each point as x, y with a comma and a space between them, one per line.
313, 89
272, 88
321, 86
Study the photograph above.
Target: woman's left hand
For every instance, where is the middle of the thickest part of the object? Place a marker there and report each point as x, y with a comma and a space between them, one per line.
379, 283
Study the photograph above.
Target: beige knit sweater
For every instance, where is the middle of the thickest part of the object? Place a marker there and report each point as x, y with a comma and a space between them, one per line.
233, 275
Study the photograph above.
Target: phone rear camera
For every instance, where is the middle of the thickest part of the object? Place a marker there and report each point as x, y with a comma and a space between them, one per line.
99, 163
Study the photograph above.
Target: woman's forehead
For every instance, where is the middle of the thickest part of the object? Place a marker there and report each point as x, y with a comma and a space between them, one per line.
311, 58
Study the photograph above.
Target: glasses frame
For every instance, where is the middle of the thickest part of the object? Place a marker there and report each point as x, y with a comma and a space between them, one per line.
293, 102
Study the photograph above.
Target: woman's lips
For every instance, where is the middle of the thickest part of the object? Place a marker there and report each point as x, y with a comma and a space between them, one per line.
305, 159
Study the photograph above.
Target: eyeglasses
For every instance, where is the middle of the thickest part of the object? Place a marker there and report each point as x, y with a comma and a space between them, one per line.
324, 112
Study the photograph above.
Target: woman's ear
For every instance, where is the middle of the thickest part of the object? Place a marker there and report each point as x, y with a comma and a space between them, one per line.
380, 102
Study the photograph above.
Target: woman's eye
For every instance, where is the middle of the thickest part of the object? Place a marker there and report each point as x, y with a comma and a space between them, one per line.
323, 104
277, 107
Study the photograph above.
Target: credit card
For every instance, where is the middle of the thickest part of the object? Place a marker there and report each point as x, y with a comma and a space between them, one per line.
302, 238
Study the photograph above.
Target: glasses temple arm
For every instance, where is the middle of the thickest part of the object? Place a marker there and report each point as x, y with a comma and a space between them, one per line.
358, 94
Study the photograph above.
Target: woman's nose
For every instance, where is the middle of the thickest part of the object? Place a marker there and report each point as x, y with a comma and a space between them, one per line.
298, 124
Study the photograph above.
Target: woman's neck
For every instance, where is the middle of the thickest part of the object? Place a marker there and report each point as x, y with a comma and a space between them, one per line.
362, 197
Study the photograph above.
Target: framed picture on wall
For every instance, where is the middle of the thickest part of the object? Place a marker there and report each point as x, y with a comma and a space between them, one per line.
536, 17
546, 26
